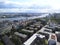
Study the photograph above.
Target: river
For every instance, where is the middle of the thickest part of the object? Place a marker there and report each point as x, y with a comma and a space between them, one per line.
22, 18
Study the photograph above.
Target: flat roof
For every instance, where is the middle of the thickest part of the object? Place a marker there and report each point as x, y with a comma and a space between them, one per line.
20, 34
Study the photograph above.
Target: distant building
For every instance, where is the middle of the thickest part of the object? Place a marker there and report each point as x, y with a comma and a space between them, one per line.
57, 15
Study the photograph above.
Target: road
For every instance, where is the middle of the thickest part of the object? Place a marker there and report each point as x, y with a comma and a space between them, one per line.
31, 39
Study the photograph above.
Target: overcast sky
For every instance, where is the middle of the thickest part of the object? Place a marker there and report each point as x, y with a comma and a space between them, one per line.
29, 5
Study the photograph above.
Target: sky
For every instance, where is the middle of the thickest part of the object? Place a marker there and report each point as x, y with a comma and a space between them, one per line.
30, 6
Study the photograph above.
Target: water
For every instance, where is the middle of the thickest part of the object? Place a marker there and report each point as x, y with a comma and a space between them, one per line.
18, 18
22, 18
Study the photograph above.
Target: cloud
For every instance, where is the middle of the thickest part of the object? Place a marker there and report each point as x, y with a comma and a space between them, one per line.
29, 5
